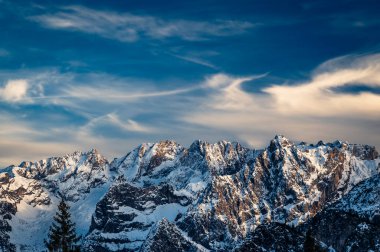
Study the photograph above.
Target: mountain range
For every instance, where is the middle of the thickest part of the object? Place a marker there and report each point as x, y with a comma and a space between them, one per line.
207, 197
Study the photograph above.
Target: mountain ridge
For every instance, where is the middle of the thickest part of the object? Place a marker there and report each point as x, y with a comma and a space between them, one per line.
213, 194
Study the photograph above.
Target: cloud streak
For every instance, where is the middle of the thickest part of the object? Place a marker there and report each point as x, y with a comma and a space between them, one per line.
107, 95
113, 119
127, 27
197, 61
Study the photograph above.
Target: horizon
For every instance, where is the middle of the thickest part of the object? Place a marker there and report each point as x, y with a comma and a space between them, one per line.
113, 75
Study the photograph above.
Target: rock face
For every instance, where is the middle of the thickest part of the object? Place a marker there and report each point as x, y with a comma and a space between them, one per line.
345, 232
273, 237
216, 197
125, 215
352, 223
166, 237
363, 200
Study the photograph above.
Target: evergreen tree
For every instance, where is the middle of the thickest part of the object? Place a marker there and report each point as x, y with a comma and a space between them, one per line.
62, 236
310, 245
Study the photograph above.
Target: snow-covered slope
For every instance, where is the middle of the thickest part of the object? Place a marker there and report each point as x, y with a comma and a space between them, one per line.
353, 222
211, 196
34, 189
363, 200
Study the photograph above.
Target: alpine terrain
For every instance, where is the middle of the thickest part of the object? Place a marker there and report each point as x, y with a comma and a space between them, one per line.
207, 197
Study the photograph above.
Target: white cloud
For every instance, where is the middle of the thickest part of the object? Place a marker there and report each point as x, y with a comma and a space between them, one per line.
14, 90
228, 94
127, 27
302, 111
318, 98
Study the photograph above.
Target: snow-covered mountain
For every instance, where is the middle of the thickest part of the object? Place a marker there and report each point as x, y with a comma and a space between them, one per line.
208, 197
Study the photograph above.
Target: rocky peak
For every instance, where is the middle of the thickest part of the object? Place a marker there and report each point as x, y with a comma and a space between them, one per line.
278, 142
365, 152
320, 143
71, 163
94, 151
72, 176
221, 158
161, 152
146, 159
205, 148
198, 146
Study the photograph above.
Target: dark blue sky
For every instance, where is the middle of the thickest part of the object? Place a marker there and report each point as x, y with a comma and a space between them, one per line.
112, 74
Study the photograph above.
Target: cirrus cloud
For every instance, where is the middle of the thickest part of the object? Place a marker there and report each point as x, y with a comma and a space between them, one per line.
127, 27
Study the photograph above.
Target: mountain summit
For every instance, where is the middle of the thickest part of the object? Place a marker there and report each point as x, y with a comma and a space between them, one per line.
208, 197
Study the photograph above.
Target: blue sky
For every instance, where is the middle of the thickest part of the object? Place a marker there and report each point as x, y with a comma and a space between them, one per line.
113, 74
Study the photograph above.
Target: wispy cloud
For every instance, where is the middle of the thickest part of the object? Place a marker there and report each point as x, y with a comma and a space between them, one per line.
116, 95
70, 88
113, 119
127, 27
197, 61
228, 94
298, 110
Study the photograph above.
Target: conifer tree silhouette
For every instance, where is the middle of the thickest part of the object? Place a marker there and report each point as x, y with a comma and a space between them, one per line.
310, 245
62, 236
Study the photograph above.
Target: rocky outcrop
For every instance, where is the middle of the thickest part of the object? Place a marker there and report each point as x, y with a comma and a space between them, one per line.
273, 237
166, 237
126, 214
